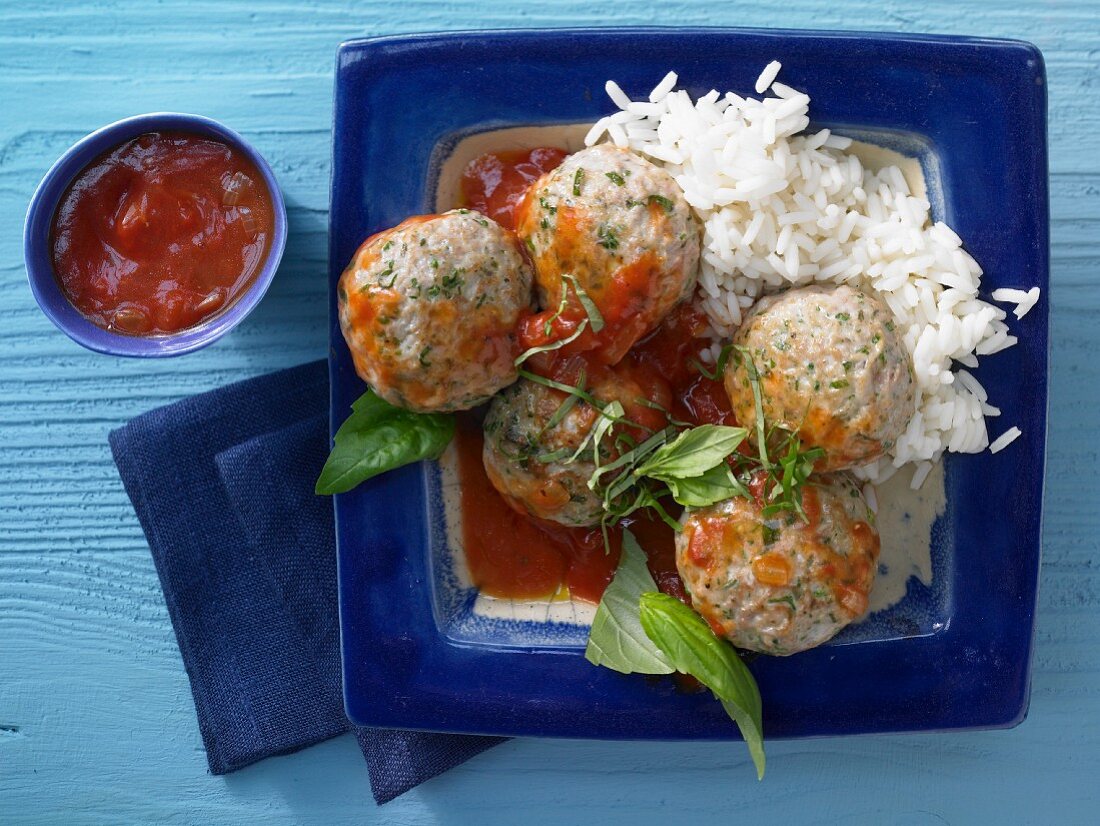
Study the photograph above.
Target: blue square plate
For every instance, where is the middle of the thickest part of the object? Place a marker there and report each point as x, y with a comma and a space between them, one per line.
975, 112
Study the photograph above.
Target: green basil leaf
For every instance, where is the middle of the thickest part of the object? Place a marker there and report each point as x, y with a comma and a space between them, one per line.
687, 641
714, 485
693, 452
750, 730
616, 639
378, 437
368, 408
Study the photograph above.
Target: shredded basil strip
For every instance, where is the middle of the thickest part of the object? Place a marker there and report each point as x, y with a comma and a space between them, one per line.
557, 385
758, 404
719, 364
554, 345
548, 325
563, 409
590, 308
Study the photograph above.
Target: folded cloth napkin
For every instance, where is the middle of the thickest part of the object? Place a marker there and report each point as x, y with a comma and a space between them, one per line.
222, 484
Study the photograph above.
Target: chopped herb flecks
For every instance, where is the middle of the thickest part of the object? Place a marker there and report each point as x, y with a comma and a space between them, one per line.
387, 273
663, 201
607, 238
787, 600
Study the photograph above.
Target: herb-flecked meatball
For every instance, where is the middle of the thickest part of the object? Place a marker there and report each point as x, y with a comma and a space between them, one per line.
832, 367
528, 461
779, 584
621, 227
429, 308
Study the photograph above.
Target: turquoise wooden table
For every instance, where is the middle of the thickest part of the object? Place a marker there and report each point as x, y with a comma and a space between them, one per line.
96, 719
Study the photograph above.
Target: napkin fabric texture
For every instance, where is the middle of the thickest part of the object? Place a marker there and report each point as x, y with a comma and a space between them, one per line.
222, 484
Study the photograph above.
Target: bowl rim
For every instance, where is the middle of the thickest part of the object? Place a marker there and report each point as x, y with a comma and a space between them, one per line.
42, 208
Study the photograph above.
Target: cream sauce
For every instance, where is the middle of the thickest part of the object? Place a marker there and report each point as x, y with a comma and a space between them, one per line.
905, 517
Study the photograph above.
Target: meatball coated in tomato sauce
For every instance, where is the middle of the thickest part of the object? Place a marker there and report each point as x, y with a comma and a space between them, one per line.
781, 584
528, 462
832, 367
429, 309
530, 444
621, 227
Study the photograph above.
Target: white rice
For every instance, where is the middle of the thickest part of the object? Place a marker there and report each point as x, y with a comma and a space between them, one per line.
1004, 440
1023, 299
768, 76
782, 208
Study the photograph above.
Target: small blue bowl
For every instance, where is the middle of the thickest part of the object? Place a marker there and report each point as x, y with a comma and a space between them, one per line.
36, 241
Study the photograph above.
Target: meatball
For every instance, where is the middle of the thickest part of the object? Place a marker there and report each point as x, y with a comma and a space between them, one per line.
621, 227
833, 368
429, 308
527, 461
780, 585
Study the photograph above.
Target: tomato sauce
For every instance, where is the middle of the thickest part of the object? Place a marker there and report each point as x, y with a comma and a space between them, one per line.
161, 233
516, 556
495, 183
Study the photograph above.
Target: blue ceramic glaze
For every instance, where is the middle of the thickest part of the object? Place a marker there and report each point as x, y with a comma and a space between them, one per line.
43, 206
975, 112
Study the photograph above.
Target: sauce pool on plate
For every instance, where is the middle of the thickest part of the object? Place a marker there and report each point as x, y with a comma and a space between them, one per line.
513, 556
495, 183
161, 233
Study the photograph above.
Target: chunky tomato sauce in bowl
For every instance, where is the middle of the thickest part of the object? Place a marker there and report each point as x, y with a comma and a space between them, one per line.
154, 236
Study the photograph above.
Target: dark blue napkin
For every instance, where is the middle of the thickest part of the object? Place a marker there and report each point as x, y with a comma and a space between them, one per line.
222, 484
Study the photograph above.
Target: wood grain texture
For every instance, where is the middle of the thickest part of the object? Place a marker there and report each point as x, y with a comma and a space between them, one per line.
96, 721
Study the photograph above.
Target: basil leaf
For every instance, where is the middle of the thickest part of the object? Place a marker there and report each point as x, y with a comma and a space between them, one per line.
687, 641
750, 730
616, 639
714, 485
693, 452
378, 437
369, 408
